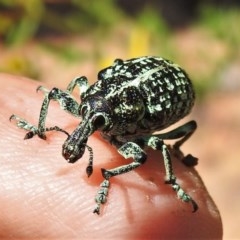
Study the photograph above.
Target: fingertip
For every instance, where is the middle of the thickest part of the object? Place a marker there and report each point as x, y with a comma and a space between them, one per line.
139, 202
142, 196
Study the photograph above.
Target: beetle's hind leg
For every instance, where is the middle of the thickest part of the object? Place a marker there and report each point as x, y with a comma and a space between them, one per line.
187, 129
183, 132
158, 144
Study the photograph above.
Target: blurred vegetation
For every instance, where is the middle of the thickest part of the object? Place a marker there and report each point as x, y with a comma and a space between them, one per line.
22, 20
147, 33
222, 23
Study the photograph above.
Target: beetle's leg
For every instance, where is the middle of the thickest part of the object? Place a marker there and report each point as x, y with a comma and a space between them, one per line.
184, 132
33, 130
67, 103
81, 82
127, 150
158, 144
187, 130
24, 124
65, 100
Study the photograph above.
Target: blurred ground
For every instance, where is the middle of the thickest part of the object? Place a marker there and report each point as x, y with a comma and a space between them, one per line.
212, 63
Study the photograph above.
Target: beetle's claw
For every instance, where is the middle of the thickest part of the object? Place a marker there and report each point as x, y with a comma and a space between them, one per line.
12, 117
195, 206
42, 89
15, 117
97, 209
190, 161
29, 135
89, 170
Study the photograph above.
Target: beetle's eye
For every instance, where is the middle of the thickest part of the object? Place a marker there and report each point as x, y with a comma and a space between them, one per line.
99, 121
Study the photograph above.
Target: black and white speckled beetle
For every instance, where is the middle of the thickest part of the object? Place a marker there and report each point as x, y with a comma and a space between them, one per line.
130, 101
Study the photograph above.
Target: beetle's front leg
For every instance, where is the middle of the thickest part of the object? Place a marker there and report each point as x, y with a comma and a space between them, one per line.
127, 150
82, 84
24, 124
65, 100
32, 130
67, 103
158, 144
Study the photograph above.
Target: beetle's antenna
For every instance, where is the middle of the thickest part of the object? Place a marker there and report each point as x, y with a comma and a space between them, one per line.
89, 169
58, 129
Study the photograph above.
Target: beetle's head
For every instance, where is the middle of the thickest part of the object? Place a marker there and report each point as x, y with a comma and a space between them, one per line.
96, 115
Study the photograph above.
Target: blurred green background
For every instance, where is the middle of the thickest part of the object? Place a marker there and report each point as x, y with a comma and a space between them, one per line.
55, 40
184, 31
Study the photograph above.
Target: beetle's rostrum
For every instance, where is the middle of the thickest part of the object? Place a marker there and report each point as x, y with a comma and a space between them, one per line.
129, 102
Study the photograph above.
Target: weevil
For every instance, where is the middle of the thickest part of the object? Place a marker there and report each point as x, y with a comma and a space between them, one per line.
130, 101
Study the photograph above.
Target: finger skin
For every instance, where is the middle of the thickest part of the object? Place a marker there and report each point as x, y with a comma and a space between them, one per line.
43, 196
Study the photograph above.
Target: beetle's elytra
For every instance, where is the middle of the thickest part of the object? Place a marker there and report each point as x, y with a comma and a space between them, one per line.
129, 102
